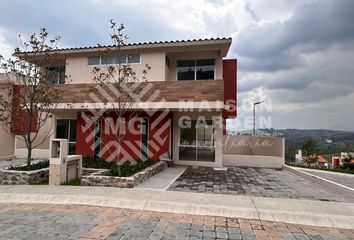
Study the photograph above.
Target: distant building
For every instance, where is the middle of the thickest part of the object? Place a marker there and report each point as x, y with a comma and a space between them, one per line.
320, 160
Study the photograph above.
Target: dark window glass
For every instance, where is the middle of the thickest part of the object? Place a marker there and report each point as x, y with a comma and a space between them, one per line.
72, 148
185, 73
62, 128
205, 72
186, 63
205, 62
134, 58
120, 59
200, 69
72, 137
107, 60
56, 75
94, 61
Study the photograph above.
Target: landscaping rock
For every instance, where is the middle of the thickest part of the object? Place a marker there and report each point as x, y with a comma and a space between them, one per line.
96, 177
14, 177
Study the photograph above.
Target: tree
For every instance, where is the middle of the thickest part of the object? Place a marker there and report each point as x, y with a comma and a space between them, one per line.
29, 95
290, 153
308, 146
117, 76
308, 149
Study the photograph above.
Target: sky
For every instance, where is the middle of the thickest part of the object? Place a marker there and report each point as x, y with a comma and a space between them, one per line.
296, 56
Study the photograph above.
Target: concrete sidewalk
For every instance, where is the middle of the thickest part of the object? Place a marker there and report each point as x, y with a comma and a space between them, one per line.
316, 213
163, 180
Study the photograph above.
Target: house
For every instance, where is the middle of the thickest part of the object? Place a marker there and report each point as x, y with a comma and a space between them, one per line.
344, 158
319, 160
189, 93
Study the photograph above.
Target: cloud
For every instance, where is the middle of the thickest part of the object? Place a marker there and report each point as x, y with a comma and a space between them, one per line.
296, 54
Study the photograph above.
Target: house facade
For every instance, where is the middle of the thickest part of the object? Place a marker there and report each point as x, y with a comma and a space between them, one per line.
179, 113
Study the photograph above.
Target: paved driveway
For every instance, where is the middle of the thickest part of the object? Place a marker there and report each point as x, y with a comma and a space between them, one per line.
41, 221
258, 182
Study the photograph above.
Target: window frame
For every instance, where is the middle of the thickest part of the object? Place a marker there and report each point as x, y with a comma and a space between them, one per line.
195, 69
115, 60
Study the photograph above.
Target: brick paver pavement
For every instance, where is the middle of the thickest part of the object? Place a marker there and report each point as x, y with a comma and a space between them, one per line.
258, 182
44, 221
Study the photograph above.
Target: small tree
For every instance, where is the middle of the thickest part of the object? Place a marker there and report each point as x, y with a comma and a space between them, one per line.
117, 75
308, 146
29, 95
308, 149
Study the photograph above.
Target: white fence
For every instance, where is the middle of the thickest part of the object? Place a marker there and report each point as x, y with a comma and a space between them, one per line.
251, 151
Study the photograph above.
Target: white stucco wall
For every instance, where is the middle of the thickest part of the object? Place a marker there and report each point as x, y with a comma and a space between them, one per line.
78, 70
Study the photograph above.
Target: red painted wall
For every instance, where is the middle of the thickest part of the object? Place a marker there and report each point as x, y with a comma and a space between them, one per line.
158, 137
230, 87
20, 117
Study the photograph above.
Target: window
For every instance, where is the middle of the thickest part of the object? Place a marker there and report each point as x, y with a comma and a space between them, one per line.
134, 58
122, 59
186, 70
107, 60
66, 129
94, 61
197, 141
201, 69
56, 75
205, 69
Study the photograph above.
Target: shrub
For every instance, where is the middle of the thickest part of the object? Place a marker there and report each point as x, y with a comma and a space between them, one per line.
127, 169
89, 162
36, 166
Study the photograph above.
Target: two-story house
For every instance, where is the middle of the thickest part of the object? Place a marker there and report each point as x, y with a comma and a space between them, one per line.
189, 93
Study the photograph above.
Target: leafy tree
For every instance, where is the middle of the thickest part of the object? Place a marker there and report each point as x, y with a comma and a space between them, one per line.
308, 149
29, 94
117, 76
290, 152
308, 146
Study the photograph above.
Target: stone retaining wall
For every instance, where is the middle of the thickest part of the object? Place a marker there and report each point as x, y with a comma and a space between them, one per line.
98, 178
14, 177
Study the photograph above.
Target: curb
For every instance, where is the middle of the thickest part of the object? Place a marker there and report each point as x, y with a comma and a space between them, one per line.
306, 212
339, 188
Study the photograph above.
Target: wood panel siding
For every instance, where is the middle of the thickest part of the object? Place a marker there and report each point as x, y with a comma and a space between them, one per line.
170, 91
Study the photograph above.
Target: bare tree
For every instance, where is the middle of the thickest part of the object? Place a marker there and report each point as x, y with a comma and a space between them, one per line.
117, 75
30, 94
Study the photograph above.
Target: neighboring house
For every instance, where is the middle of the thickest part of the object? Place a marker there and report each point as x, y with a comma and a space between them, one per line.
320, 160
190, 92
340, 160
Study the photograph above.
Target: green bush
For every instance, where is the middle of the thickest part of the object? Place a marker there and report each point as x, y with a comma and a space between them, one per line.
126, 169
32, 167
89, 162
74, 182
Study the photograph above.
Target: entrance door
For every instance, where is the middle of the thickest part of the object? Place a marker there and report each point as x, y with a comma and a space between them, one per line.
66, 129
197, 141
144, 138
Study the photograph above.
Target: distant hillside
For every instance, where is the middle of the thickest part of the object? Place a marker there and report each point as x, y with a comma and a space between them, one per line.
327, 141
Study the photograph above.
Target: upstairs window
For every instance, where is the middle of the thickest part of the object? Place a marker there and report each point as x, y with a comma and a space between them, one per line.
106, 60
94, 61
200, 69
134, 58
56, 75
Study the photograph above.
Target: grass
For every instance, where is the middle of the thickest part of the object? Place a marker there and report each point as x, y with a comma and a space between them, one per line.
32, 167
74, 182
